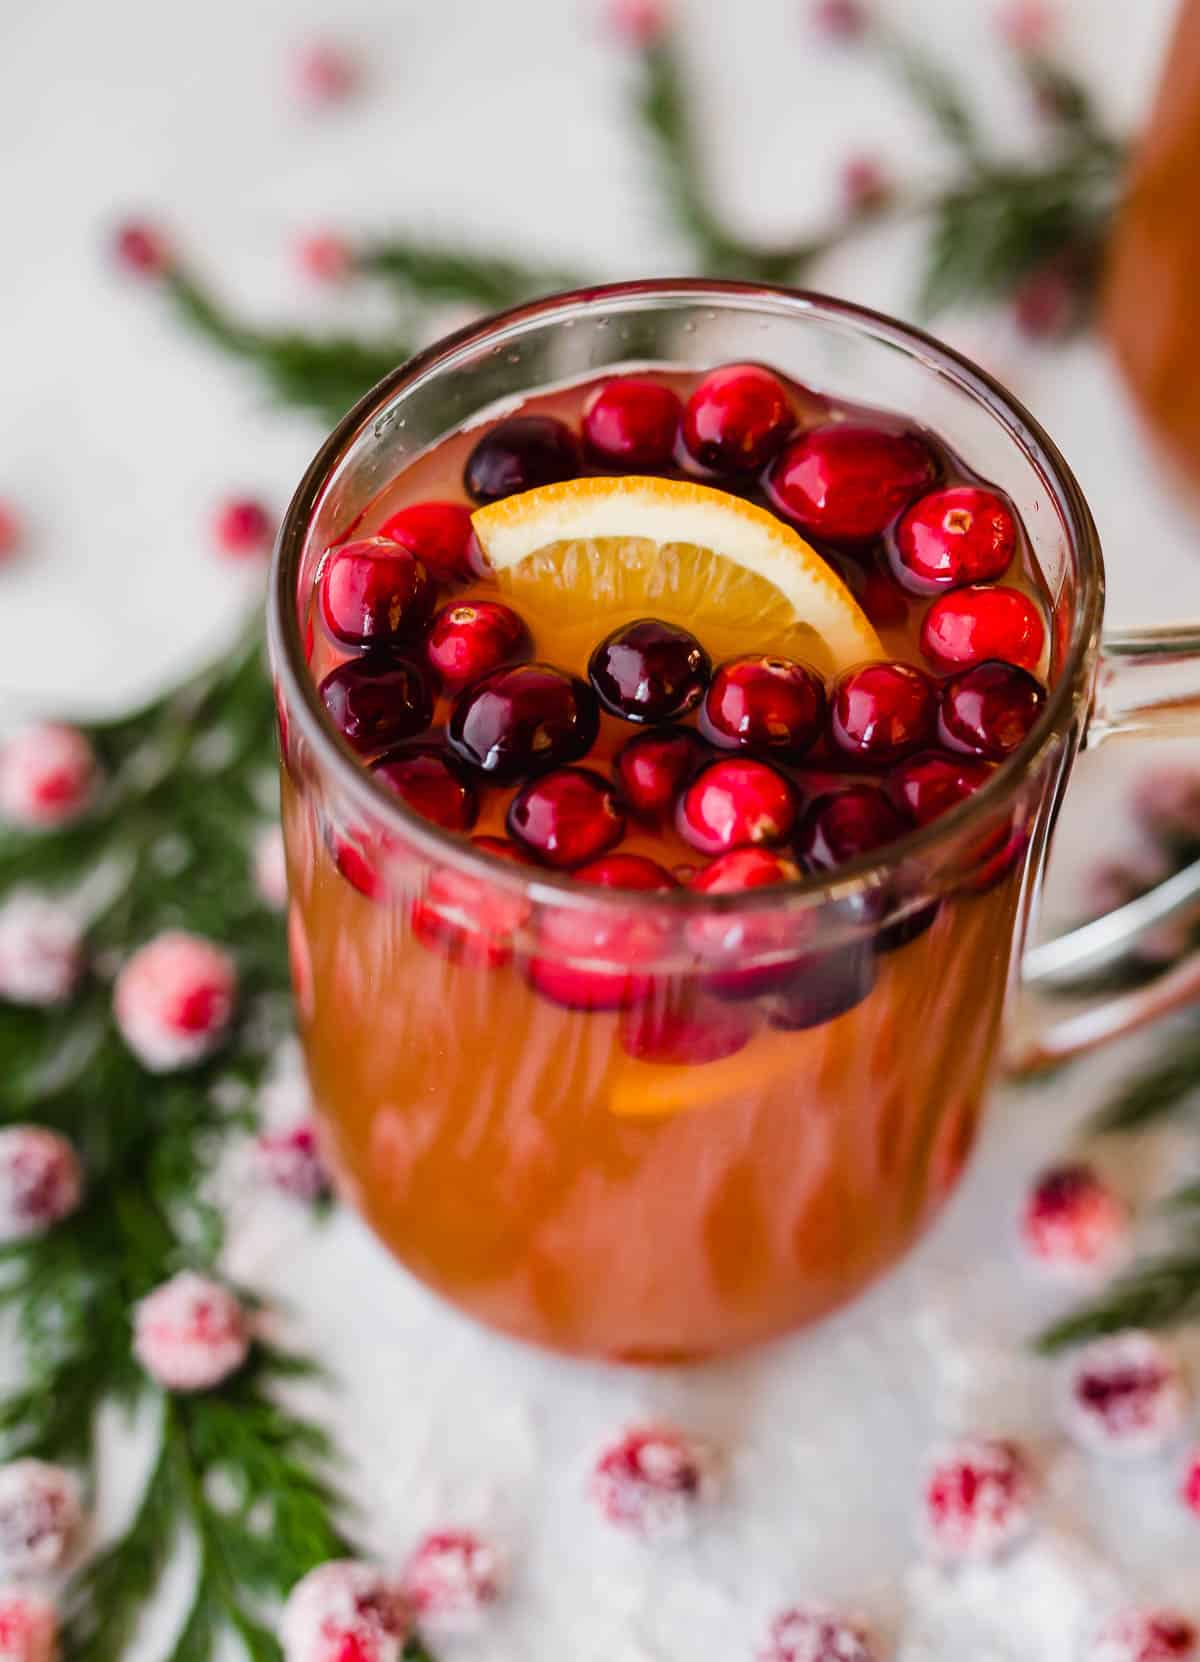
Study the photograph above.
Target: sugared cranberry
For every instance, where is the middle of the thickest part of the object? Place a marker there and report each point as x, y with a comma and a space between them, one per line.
288, 1157
810, 1634
846, 825
1073, 1224
652, 1481
1124, 1394
324, 72
745, 953
978, 1500
142, 249
927, 787
631, 422
847, 482
733, 803
40, 1516
653, 768
10, 531
970, 625
768, 704
641, 23
518, 454
626, 871
649, 671
1026, 25
1145, 1636
822, 986
28, 1626
990, 710
173, 1000
41, 1181
680, 1028
524, 720
430, 783
737, 418
242, 527
190, 1333
867, 187
344, 1611
1190, 1487
567, 817
324, 256
451, 1579
469, 919
49, 775
41, 951
439, 534
376, 700
841, 19
960, 535
374, 592
882, 712
470, 638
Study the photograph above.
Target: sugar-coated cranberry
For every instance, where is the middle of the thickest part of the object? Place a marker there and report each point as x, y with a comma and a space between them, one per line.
142, 249
822, 986
841, 19
807, 1633
518, 454
190, 1333
1072, 1223
680, 1027
1145, 1636
242, 526
470, 638
649, 671
626, 871
174, 999
28, 1626
969, 625
431, 783
288, 1158
652, 1481
735, 802
631, 422
641, 23
376, 700
652, 768
745, 953
524, 720
990, 710
882, 712
438, 533
467, 918
774, 705
49, 776
978, 1500
737, 418
10, 530
926, 787
324, 72
40, 1516
374, 592
344, 1611
41, 1181
324, 256
1190, 1488
41, 951
955, 536
846, 825
567, 817
451, 1579
846, 481
867, 186
1124, 1394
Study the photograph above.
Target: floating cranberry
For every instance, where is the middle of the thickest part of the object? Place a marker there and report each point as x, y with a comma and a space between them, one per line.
518, 454
649, 671
652, 1481
626, 871
470, 638
960, 535
601, 959
926, 787
733, 803
373, 592
990, 710
806, 1633
451, 1579
882, 712
243, 527
376, 700
737, 418
970, 625
430, 783
978, 1500
768, 704
753, 951
288, 1158
631, 422
439, 534
41, 1181
679, 1028
469, 919
28, 1626
1073, 1224
652, 768
884, 601
567, 817
845, 826
49, 775
1124, 1394
190, 1333
524, 720
822, 986
846, 481
1145, 1636
344, 1611
173, 1000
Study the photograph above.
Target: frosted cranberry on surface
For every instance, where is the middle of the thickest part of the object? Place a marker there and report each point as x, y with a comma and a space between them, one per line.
882, 712
324, 73
1145, 1636
374, 592
324, 256
344, 1611
518, 454
771, 705
653, 767
10, 531
28, 1626
653, 1481
141, 249
41, 951
469, 639
649, 671
190, 1333
451, 1579
844, 826
990, 710
438, 533
468, 919
288, 1158
431, 783
978, 1500
270, 867
631, 422
49, 776
242, 526
1072, 1224
968, 626
40, 1516
963, 534
174, 1000
927, 787
376, 700
809, 1633
41, 1181
1123, 1394
733, 803
523, 720
566, 817
737, 418
847, 481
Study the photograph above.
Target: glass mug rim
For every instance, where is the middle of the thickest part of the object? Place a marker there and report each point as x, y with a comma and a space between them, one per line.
370, 417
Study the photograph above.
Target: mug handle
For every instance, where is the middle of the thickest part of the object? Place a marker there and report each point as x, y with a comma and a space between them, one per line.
1148, 682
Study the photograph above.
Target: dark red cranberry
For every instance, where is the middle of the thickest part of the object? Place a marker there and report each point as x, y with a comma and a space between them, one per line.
470, 638
735, 802
970, 625
685, 1029
826, 986
649, 671
429, 782
927, 787
653, 768
376, 700
373, 592
847, 481
839, 828
753, 951
518, 454
955, 536
524, 720
990, 710
466, 918
737, 418
567, 817
882, 712
768, 704
631, 422
602, 959
439, 534
884, 601
626, 871
357, 860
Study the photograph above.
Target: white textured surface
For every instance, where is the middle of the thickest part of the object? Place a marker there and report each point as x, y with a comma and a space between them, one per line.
505, 123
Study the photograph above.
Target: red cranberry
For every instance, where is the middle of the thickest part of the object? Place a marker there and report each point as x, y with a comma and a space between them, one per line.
750, 952
970, 625
566, 817
1190, 1489
653, 768
737, 418
883, 600
243, 526
358, 863
518, 454
325, 257
1145, 1636
428, 781
626, 871
735, 802
602, 959
1124, 1394
468, 919
345, 1611
990, 710
524, 720
10, 530
674, 1029
439, 534
142, 249
810, 1634
960, 535
652, 1480
470, 638
373, 592
288, 1158
649, 671
841, 19
883, 712
847, 481
927, 787
822, 987
843, 827
866, 186
376, 701
1073, 1224
324, 73
641, 23
451, 1579
631, 422
978, 1500
768, 704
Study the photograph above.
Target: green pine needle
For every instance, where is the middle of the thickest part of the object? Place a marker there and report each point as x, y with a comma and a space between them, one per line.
443, 274
1173, 1084
1162, 1291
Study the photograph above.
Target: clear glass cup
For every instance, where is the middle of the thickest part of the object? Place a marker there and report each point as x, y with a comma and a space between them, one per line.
510, 1151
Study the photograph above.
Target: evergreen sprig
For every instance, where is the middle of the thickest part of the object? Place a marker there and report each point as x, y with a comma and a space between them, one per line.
440, 274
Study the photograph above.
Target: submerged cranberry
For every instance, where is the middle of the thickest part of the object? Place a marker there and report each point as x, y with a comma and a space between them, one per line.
825, 986
438, 533
683, 1028
468, 919
523, 720
882, 712
769, 704
734, 802
470, 638
653, 768
374, 592
631, 422
926, 787
428, 781
626, 871
649, 671
518, 454
990, 710
847, 481
839, 828
567, 817
753, 951
967, 626
602, 959
376, 700
955, 536
737, 418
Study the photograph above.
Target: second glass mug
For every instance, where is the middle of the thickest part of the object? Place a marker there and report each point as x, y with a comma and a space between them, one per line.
505, 1148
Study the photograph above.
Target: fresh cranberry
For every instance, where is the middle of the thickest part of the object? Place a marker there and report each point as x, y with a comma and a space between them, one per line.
978, 1500
810, 1634
601, 959
990, 710
242, 527
357, 859
524, 720
373, 592
430, 783
470, 638
769, 704
846, 825
640, 23
847, 481
970, 625
884, 601
325, 257
142, 249
649, 671
451, 1579
631, 422
518, 454
1145, 1636
652, 768
1124, 1394
883, 712
926, 787
734, 802
955, 536
467, 918
626, 871
651, 1482
681, 1030
190, 1333
749, 952
41, 1181
1073, 1224
344, 1611
822, 986
376, 700
737, 418
439, 534
566, 817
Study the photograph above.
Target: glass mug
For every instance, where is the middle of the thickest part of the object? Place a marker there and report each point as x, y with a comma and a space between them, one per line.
507, 1149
